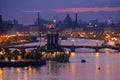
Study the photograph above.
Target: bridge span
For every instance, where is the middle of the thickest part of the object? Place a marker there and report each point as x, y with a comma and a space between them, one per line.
96, 48
71, 47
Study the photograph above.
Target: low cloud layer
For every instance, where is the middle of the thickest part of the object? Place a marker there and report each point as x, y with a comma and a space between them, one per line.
94, 9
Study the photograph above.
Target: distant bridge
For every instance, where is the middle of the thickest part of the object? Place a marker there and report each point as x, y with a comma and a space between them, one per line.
72, 47
96, 48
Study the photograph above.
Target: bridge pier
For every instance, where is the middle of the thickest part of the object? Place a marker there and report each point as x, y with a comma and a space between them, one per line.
72, 48
23, 52
96, 50
118, 50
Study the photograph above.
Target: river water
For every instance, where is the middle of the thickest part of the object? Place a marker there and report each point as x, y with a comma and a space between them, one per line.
108, 61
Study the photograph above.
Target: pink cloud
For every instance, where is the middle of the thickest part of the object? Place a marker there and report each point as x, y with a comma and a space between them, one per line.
95, 9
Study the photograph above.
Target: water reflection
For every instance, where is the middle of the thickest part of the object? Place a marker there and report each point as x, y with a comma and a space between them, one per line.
57, 71
97, 54
92, 53
97, 65
74, 70
107, 51
25, 75
85, 54
72, 54
1, 74
18, 70
119, 53
52, 67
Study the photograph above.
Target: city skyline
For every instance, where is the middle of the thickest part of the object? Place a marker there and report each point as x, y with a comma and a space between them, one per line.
26, 11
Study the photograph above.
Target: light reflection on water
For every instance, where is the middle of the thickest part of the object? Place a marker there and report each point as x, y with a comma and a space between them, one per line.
109, 64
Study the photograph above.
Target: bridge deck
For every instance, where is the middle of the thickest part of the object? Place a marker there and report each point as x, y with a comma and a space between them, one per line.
67, 46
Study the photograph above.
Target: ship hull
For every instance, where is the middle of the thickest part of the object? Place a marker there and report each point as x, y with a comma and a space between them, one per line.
22, 63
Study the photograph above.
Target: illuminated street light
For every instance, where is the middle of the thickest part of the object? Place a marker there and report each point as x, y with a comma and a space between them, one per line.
73, 41
96, 42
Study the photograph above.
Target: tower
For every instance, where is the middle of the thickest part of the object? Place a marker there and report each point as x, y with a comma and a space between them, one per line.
0, 19
52, 41
15, 22
76, 19
68, 21
38, 19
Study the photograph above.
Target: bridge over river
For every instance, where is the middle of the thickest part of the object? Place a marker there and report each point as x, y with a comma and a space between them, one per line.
71, 47
53, 43
96, 48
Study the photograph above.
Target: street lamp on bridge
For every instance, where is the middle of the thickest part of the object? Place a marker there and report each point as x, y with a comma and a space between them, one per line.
96, 42
73, 41
40, 39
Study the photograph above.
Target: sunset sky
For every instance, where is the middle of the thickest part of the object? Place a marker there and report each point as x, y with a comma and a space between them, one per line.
25, 11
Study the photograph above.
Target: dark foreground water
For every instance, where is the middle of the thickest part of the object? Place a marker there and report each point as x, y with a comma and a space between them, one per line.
109, 64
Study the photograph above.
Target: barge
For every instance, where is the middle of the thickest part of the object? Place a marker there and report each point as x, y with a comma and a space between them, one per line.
53, 51
22, 63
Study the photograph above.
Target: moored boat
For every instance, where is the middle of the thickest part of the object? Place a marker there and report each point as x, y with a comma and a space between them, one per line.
58, 56
24, 63
53, 51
